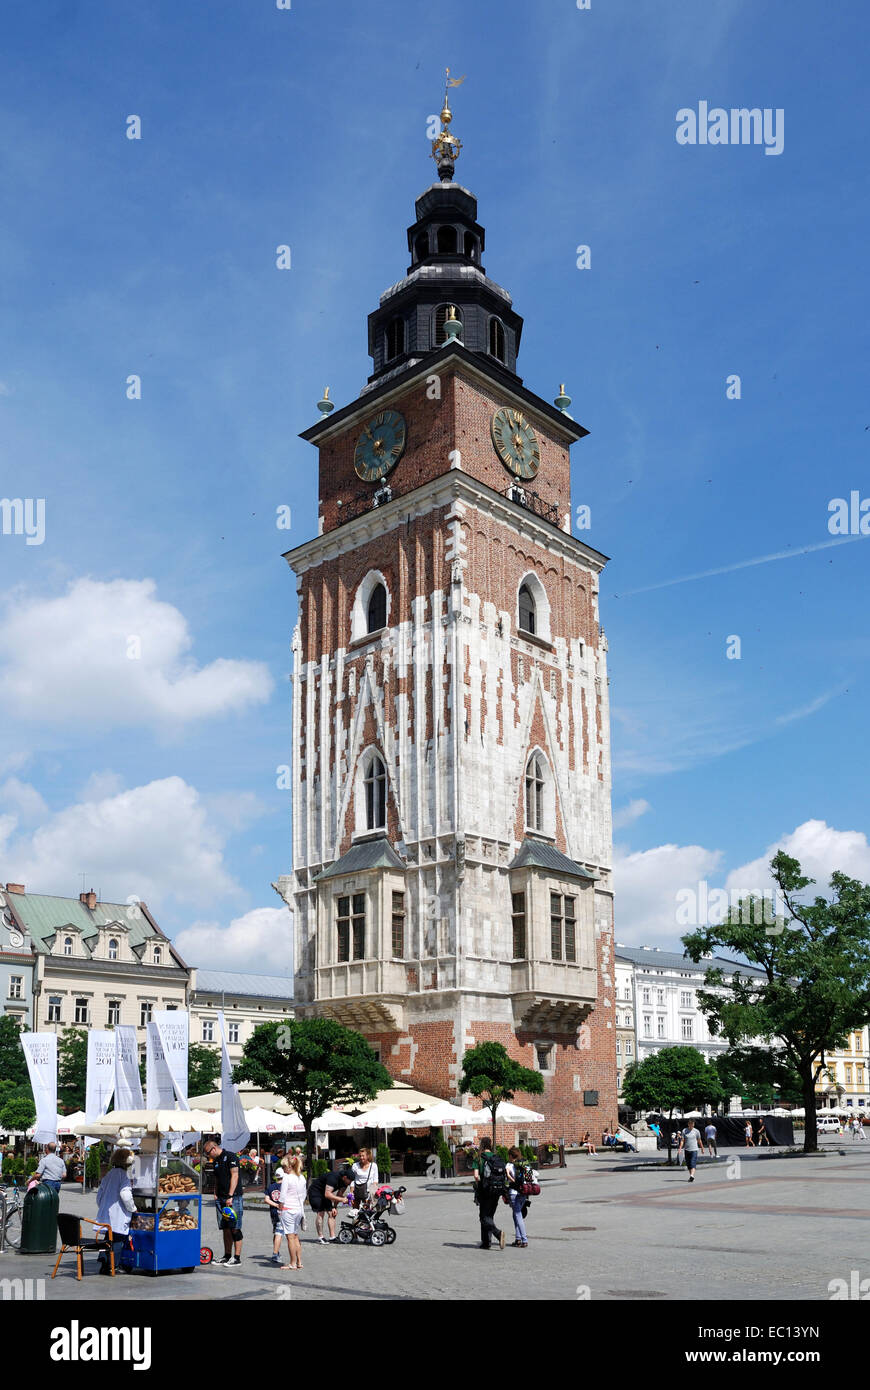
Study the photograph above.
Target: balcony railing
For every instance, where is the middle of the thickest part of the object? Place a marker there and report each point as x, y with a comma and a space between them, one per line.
349, 510
533, 502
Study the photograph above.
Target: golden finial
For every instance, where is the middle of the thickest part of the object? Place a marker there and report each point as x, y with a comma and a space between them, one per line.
325, 405
446, 147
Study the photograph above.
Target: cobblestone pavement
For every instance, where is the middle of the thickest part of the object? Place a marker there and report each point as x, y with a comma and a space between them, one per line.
770, 1227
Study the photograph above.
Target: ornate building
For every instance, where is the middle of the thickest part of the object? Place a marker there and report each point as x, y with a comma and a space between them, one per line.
451, 786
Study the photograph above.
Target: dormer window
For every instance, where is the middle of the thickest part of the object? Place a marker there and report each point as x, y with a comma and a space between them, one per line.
446, 241
497, 339
113, 948
158, 955
395, 338
67, 946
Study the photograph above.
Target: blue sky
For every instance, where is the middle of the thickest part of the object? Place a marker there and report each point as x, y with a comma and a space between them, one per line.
156, 775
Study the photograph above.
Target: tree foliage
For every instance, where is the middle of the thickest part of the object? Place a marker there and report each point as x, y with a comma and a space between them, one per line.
203, 1069
72, 1068
676, 1078
814, 985
760, 1075
488, 1072
13, 1063
18, 1112
312, 1063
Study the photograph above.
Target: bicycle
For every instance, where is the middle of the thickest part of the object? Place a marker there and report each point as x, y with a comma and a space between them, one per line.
12, 1224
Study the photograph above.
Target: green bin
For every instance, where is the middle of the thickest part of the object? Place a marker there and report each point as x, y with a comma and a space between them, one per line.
39, 1221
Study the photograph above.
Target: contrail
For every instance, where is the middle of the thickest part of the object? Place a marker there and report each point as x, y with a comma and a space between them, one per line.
742, 565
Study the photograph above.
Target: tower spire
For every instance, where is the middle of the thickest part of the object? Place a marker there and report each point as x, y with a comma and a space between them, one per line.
445, 146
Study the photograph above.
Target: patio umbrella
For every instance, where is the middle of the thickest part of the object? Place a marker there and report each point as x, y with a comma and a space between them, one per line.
511, 1114
447, 1115
336, 1119
152, 1121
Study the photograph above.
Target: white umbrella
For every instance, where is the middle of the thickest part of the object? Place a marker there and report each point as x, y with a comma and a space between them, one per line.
261, 1121
152, 1121
336, 1119
510, 1114
384, 1117
448, 1115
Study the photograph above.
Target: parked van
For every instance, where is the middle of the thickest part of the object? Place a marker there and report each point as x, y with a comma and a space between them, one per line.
827, 1123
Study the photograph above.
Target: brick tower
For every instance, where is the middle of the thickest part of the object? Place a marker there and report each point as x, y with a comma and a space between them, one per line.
451, 784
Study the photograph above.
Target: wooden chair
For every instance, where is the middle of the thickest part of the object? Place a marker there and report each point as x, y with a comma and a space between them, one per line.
70, 1228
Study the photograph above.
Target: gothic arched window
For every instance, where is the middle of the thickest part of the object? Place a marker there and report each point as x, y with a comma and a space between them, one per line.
395, 338
446, 241
375, 784
113, 948
496, 338
440, 320
376, 614
535, 783
527, 609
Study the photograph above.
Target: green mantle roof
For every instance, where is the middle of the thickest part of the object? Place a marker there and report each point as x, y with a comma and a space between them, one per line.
368, 854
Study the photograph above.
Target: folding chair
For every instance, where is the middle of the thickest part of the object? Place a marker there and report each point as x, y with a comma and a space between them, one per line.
70, 1229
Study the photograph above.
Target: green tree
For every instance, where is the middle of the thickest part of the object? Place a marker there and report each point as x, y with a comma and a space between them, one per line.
72, 1068
488, 1072
312, 1063
203, 1069
676, 1078
13, 1063
815, 981
17, 1113
760, 1075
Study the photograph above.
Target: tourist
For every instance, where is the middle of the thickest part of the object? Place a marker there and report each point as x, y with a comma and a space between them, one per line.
292, 1198
365, 1177
115, 1204
273, 1202
325, 1194
228, 1199
749, 1142
762, 1134
690, 1142
857, 1128
710, 1136
51, 1169
490, 1184
587, 1143
518, 1175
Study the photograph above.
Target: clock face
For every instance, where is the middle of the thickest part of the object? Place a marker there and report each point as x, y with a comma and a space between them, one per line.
380, 446
516, 442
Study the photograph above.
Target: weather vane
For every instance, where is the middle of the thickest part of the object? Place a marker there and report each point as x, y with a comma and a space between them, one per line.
446, 147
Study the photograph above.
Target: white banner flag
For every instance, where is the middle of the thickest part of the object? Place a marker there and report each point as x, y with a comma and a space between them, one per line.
40, 1049
173, 1027
128, 1084
100, 1080
235, 1130
159, 1090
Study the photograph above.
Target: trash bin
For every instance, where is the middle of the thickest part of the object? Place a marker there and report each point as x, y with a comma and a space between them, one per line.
39, 1221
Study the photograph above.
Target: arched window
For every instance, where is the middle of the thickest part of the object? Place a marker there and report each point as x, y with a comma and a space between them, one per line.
535, 783
496, 338
158, 955
421, 247
527, 608
376, 613
67, 945
113, 948
471, 246
375, 783
446, 241
440, 320
395, 338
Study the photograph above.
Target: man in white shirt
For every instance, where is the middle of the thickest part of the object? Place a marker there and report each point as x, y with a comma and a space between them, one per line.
690, 1142
52, 1169
710, 1136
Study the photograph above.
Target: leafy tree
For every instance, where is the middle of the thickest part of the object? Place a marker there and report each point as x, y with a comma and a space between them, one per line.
17, 1113
203, 1069
312, 1063
488, 1072
72, 1068
760, 1075
13, 1063
676, 1078
815, 981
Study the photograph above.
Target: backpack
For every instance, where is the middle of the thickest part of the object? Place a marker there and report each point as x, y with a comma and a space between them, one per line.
493, 1176
524, 1181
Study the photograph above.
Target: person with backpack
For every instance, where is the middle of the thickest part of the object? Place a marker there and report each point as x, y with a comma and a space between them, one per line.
490, 1185
520, 1177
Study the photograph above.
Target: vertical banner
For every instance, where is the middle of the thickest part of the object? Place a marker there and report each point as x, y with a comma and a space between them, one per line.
100, 1081
235, 1130
128, 1084
173, 1028
159, 1090
40, 1049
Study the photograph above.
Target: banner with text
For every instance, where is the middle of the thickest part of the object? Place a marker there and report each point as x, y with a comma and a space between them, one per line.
40, 1049
159, 1090
128, 1083
100, 1079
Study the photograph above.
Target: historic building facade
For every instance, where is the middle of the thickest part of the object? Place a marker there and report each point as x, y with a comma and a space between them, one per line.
246, 1001
451, 784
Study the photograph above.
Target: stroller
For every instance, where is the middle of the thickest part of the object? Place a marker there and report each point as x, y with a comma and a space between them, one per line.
369, 1225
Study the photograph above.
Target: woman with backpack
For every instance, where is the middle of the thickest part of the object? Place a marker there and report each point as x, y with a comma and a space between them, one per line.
519, 1176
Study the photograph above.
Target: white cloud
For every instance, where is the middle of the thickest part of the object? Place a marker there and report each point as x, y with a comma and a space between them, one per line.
627, 815
646, 884
19, 796
819, 849
101, 785
67, 660
261, 941
155, 841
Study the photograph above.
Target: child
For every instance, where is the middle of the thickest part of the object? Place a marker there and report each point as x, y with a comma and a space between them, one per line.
273, 1202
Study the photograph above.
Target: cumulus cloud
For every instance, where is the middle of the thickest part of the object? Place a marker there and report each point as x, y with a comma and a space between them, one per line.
646, 884
627, 815
21, 799
260, 941
111, 653
155, 841
819, 848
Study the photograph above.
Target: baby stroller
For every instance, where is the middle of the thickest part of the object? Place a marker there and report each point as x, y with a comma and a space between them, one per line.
369, 1225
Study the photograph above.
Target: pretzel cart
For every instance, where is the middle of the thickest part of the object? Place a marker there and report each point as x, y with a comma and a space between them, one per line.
165, 1233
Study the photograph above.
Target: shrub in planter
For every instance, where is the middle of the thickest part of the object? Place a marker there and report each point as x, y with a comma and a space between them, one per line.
92, 1165
384, 1162
31, 1165
445, 1158
319, 1167
501, 1150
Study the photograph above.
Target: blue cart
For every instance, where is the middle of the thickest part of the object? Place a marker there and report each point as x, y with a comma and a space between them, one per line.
166, 1233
